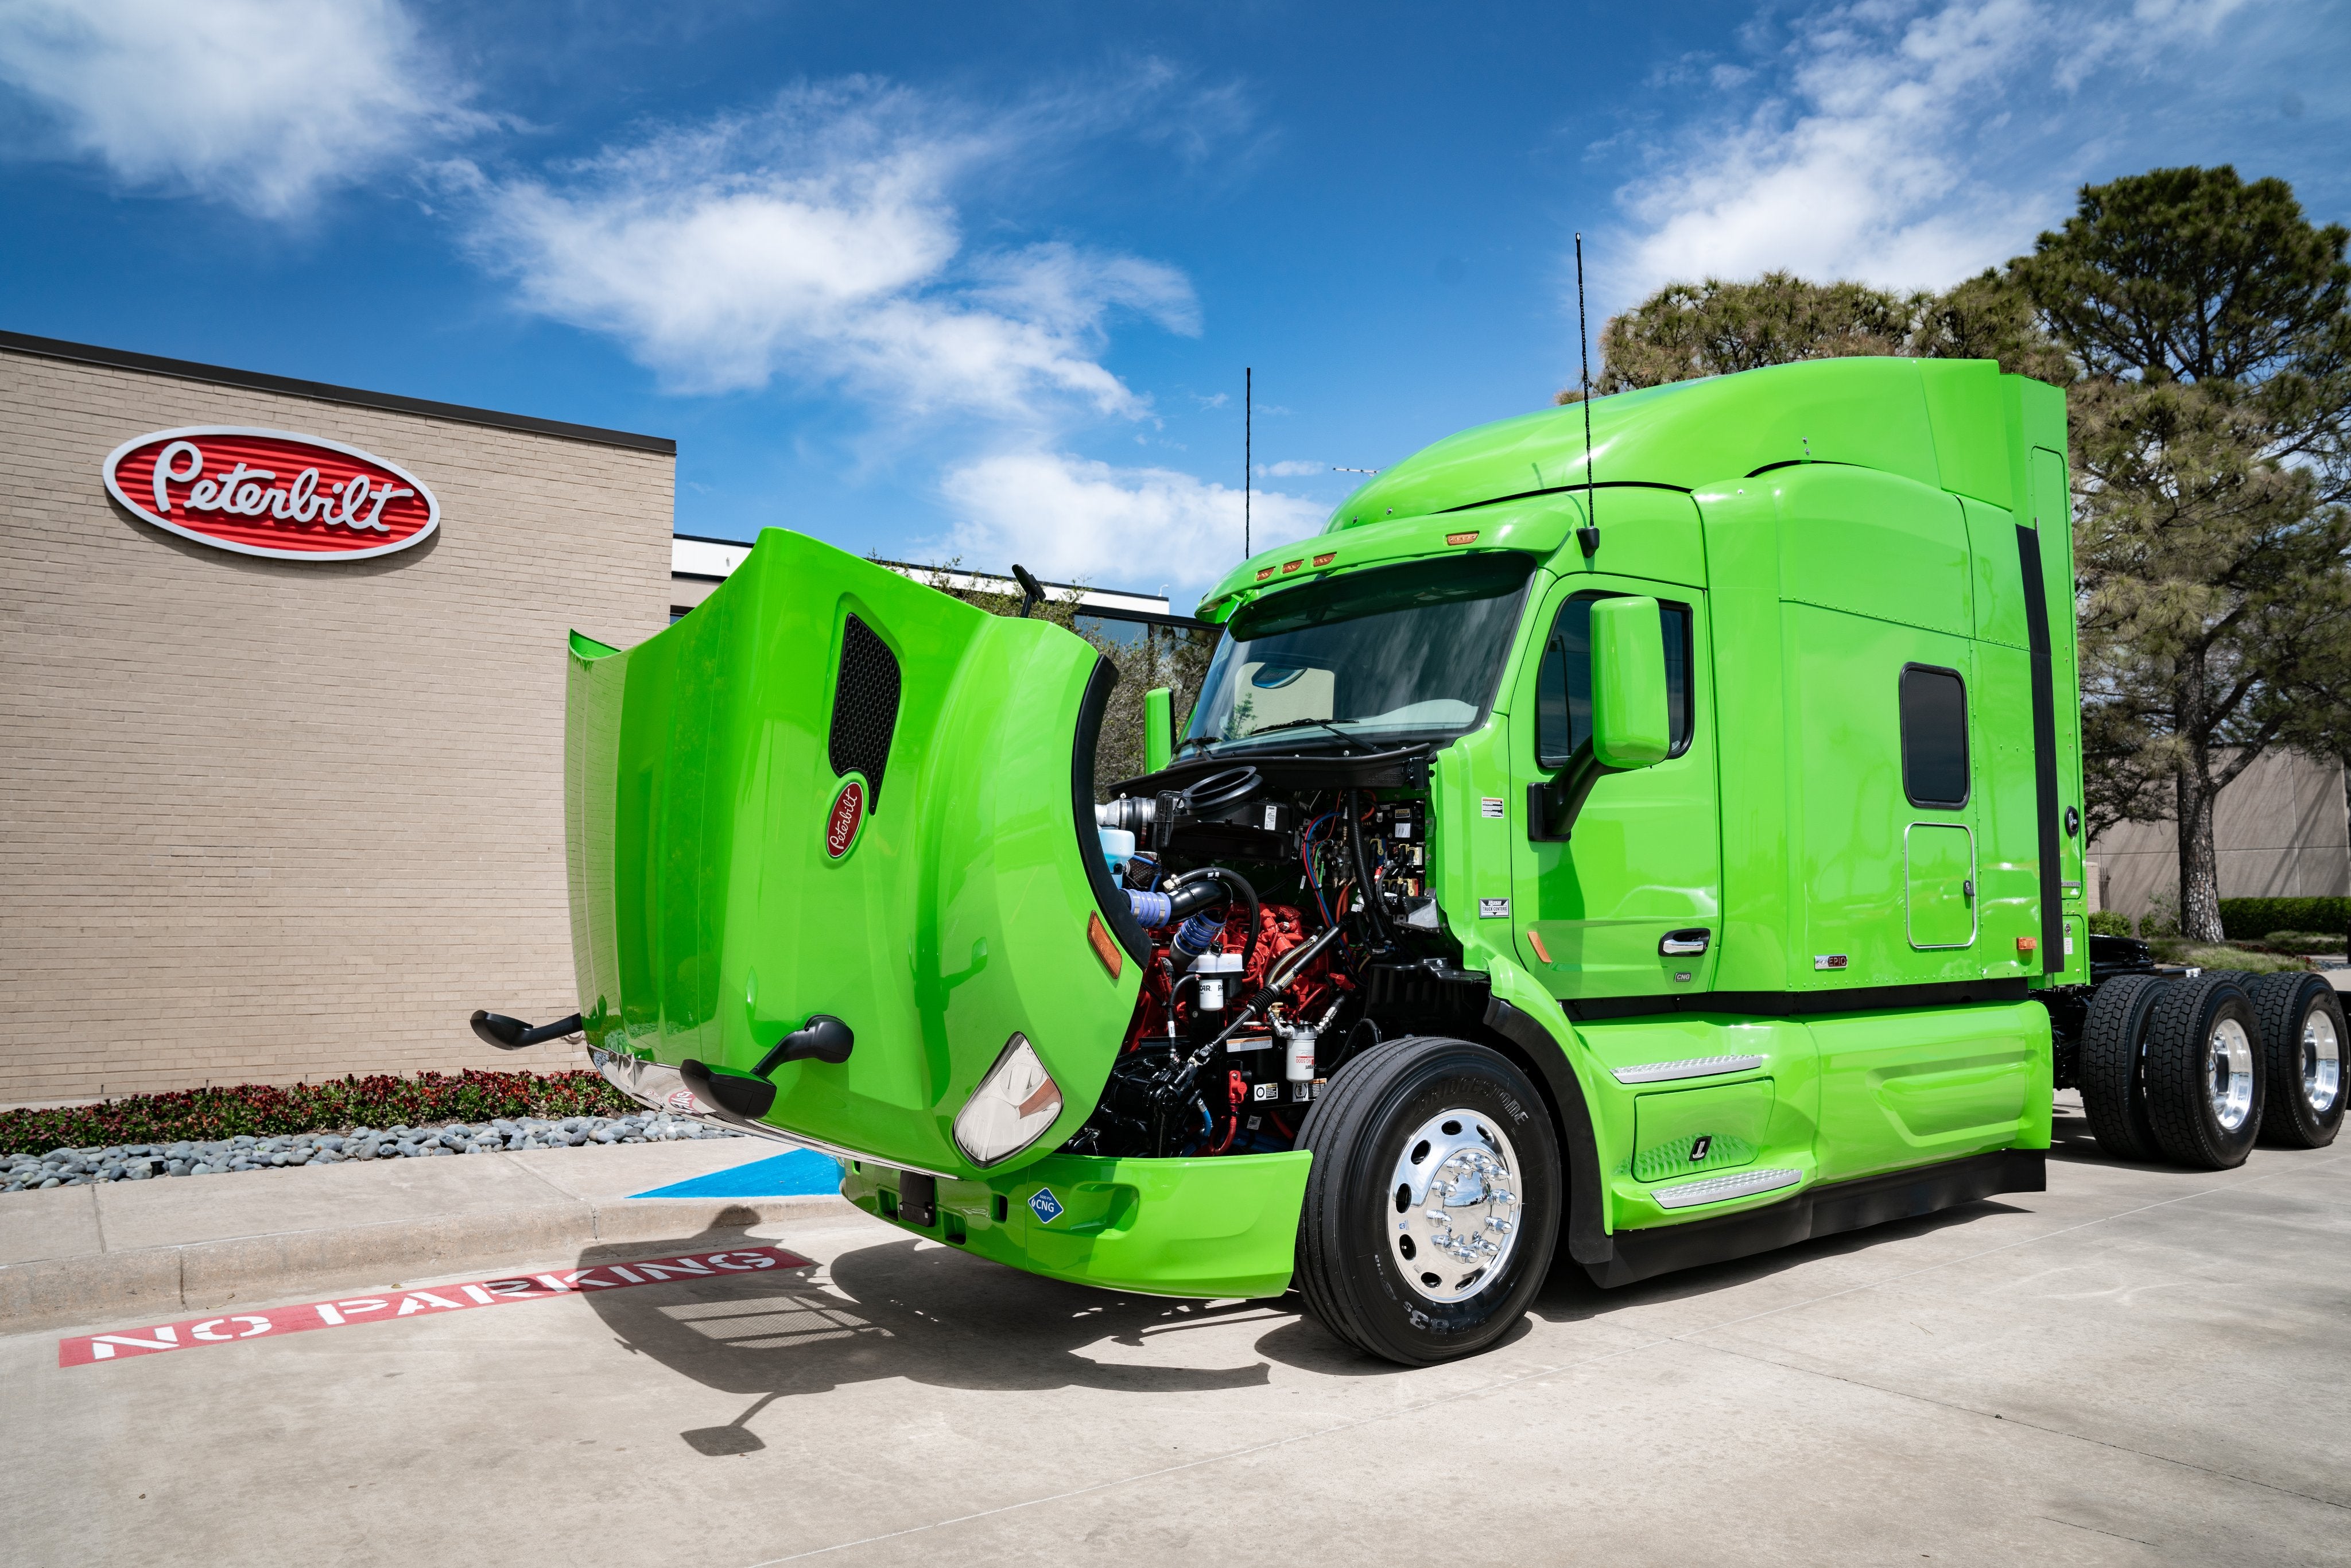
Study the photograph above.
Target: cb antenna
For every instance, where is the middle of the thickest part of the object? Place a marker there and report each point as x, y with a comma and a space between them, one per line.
1588, 536
1249, 458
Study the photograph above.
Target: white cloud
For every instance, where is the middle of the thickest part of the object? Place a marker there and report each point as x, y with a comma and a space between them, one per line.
1885, 143
820, 238
1289, 468
260, 103
1076, 519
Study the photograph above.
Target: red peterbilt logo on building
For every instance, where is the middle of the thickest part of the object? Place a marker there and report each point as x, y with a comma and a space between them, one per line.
847, 810
271, 493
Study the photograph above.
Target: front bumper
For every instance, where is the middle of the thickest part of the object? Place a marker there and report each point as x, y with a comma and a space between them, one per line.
1219, 1229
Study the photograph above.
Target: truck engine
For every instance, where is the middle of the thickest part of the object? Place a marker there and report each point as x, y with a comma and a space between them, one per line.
1275, 918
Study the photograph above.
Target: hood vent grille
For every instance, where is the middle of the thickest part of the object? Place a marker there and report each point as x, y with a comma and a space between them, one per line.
864, 708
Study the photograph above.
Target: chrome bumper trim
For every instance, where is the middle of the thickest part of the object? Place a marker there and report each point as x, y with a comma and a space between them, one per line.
1691, 1066
663, 1088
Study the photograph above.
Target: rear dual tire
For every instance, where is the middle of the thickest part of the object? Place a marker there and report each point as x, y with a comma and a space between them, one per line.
2205, 1079
2193, 1070
2303, 1039
1434, 1201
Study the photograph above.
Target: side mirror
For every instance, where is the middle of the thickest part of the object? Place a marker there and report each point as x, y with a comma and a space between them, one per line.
1158, 728
1630, 728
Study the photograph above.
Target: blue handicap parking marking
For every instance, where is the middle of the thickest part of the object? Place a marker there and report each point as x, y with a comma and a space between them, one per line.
1047, 1208
793, 1174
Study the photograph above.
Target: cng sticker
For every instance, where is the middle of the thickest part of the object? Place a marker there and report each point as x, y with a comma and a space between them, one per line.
848, 816
1045, 1206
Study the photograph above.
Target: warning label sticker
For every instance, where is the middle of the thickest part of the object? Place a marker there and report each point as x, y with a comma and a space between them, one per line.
83, 1349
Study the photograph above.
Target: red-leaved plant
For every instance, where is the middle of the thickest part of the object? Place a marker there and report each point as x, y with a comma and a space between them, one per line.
262, 1109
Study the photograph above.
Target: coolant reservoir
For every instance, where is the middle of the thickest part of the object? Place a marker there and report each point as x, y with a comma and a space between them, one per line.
1118, 848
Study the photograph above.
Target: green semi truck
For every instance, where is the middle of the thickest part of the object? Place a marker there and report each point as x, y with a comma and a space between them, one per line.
1659, 848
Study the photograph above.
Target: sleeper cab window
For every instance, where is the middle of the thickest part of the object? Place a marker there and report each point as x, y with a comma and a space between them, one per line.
1564, 681
1934, 738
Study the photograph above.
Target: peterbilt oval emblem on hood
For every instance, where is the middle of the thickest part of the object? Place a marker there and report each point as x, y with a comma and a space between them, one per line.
271, 493
848, 811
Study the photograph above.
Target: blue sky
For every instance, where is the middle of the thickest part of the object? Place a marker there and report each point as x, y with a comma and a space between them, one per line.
979, 281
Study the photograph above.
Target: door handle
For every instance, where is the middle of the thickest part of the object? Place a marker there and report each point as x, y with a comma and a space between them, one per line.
1686, 944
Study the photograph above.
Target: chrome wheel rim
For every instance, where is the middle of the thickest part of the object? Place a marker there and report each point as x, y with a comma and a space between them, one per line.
1454, 1203
2229, 1055
2322, 1062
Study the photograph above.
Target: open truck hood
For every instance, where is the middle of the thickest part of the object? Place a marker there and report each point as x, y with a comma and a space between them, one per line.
833, 790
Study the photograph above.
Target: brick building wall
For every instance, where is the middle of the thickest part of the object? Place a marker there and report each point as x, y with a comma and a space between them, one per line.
268, 820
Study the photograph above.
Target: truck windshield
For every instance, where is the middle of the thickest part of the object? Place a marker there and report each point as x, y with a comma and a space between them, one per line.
1389, 654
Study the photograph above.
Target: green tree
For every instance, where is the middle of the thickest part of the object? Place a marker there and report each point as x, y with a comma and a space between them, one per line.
2199, 323
2207, 317
1714, 329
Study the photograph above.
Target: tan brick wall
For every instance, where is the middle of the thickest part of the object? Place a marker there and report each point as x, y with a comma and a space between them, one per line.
266, 821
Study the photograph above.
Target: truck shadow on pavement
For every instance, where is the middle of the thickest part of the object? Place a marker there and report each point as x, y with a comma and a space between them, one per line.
925, 1312
898, 1309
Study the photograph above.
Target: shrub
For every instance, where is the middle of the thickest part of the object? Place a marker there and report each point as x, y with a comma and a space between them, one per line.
2251, 919
2162, 917
2110, 923
263, 1110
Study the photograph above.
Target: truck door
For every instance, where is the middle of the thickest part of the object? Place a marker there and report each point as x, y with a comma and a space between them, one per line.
1629, 902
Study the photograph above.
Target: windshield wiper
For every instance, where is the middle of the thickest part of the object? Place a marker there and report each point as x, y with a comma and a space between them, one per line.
1296, 724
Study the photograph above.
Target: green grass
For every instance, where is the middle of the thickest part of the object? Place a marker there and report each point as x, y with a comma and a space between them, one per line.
2176, 950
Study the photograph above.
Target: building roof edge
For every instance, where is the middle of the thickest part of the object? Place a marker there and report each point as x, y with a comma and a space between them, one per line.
325, 391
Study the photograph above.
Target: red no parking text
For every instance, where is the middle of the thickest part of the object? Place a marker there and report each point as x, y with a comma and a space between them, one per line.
230, 1327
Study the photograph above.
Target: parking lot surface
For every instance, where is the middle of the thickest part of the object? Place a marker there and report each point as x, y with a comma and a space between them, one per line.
2140, 1365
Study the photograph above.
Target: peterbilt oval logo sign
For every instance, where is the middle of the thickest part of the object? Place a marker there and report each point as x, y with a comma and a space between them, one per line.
271, 493
848, 811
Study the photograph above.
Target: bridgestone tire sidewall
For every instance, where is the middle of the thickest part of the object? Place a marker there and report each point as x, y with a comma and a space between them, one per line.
1357, 1131
2179, 1095
2284, 1002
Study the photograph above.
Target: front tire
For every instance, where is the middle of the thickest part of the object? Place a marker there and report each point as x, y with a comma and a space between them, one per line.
1434, 1202
2205, 1073
2303, 1037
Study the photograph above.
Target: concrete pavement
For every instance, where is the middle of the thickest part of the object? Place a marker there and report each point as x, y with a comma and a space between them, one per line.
2140, 1365
153, 1247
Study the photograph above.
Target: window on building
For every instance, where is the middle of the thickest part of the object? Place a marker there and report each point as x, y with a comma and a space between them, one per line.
1934, 738
1563, 683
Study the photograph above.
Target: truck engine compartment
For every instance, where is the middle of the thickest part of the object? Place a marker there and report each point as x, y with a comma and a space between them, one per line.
1291, 927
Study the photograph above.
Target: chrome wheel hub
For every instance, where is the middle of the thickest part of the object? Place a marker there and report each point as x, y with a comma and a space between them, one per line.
1454, 1203
2230, 1056
2322, 1062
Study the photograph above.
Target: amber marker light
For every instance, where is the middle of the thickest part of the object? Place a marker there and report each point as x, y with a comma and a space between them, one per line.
1535, 941
1263, 572
1290, 566
1326, 560
1104, 948
1469, 538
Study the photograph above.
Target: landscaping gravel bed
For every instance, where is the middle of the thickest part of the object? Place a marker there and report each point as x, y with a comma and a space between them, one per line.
144, 1161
